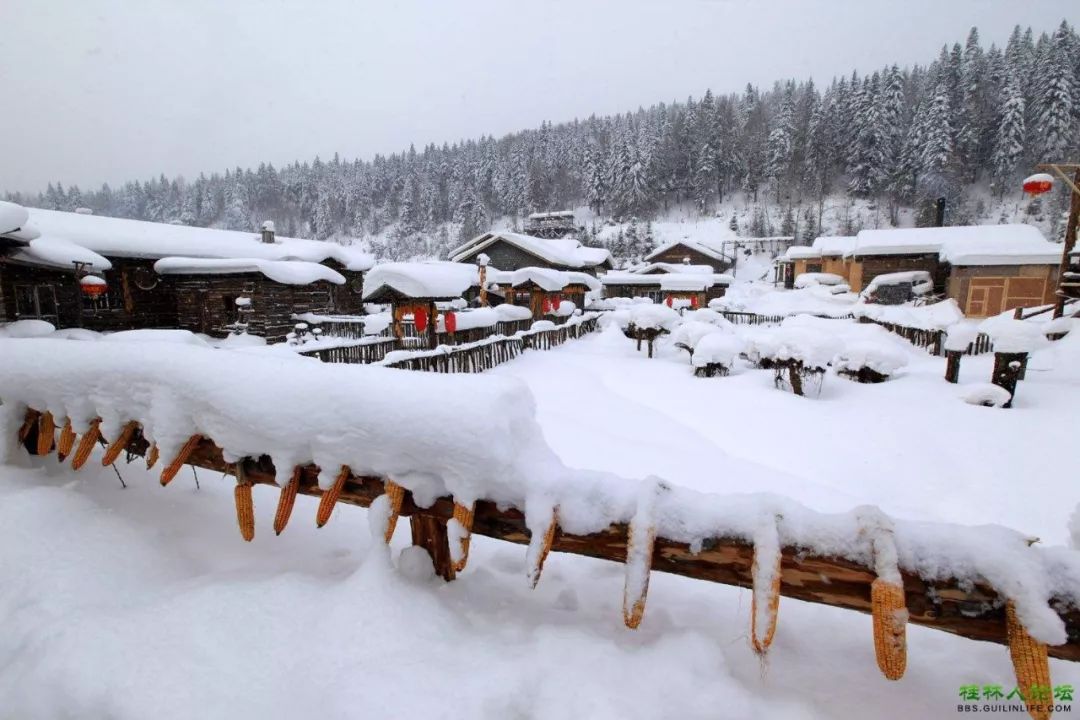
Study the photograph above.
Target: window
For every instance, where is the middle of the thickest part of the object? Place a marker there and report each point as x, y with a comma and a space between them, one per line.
35, 301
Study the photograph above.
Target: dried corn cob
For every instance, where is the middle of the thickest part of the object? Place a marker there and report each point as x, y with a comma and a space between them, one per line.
537, 564
396, 495
245, 510
66, 441
639, 550
181, 457
464, 515
1029, 663
890, 627
286, 501
330, 497
761, 644
46, 433
28, 423
152, 456
118, 445
86, 445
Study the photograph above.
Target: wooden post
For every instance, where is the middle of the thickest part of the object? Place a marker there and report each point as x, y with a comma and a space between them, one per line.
952, 365
795, 377
1008, 368
430, 533
1070, 243
483, 285
433, 316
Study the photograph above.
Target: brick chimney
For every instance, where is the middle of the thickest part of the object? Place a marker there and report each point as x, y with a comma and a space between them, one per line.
268, 231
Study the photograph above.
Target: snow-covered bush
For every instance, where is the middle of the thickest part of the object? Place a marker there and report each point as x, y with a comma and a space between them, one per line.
715, 354
654, 317
868, 361
799, 356
986, 394
687, 335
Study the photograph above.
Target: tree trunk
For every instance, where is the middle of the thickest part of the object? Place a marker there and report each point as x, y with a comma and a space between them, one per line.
795, 378
1008, 368
952, 365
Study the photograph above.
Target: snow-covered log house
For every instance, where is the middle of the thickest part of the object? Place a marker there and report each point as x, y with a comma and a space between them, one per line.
513, 251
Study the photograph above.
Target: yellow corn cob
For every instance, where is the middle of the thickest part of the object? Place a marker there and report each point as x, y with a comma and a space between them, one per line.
463, 515
28, 423
46, 433
286, 501
396, 495
86, 445
634, 607
330, 497
66, 441
545, 548
245, 510
774, 606
178, 462
1030, 663
152, 456
119, 444
890, 627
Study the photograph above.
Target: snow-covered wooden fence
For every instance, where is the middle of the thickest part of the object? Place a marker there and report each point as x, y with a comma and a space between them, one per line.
749, 318
931, 339
969, 609
359, 351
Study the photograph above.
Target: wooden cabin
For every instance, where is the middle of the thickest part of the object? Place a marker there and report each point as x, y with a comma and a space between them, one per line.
659, 281
691, 252
415, 291
543, 290
551, 225
514, 251
46, 261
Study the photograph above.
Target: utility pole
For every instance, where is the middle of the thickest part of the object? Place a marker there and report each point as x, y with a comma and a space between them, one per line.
1035, 185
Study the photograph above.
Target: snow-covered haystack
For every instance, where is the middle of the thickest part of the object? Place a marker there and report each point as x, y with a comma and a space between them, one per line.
986, 394
868, 362
715, 354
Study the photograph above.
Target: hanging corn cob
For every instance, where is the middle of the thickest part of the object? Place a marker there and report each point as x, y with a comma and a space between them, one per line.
152, 456
396, 495
86, 445
330, 497
286, 501
67, 440
28, 423
539, 547
245, 508
887, 601
640, 540
117, 446
1030, 664
460, 531
765, 598
172, 468
46, 433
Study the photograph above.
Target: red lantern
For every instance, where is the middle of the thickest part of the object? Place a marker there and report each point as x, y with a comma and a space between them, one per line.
92, 286
546, 307
693, 301
1038, 184
667, 301
420, 318
450, 321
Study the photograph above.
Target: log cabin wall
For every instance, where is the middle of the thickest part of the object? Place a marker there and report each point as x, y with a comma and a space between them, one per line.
505, 256
137, 297
275, 303
864, 269
985, 290
676, 253
347, 299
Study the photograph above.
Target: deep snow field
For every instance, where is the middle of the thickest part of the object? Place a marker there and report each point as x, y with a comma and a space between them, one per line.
144, 602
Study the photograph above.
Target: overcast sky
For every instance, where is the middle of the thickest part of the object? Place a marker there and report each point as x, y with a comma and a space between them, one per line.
110, 90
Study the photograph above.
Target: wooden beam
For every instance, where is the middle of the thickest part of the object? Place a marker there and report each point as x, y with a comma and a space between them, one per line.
974, 612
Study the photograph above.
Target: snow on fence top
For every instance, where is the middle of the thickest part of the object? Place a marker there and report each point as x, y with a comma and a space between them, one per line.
434, 279
1014, 244
479, 441
937, 316
117, 237
566, 252
287, 272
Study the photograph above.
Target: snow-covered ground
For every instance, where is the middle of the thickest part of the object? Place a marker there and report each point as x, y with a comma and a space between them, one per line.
144, 602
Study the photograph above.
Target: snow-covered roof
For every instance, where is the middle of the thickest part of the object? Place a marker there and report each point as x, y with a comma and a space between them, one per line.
287, 272
1014, 244
580, 278
801, 252
667, 281
12, 217
834, 246
119, 237
622, 277
675, 268
544, 278
566, 252
685, 282
433, 279
708, 248
59, 253
552, 214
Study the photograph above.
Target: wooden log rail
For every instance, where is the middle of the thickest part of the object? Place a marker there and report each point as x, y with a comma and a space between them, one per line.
933, 340
354, 352
971, 611
748, 318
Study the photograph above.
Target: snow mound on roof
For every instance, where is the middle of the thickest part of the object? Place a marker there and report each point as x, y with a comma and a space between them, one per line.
809, 279
12, 216
287, 272
61, 253
434, 279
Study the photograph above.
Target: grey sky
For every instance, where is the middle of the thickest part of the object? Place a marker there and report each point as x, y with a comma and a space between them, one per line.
110, 90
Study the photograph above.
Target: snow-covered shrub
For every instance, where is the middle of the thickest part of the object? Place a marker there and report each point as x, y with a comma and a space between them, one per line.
798, 356
715, 354
654, 317
986, 394
709, 316
687, 335
868, 361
